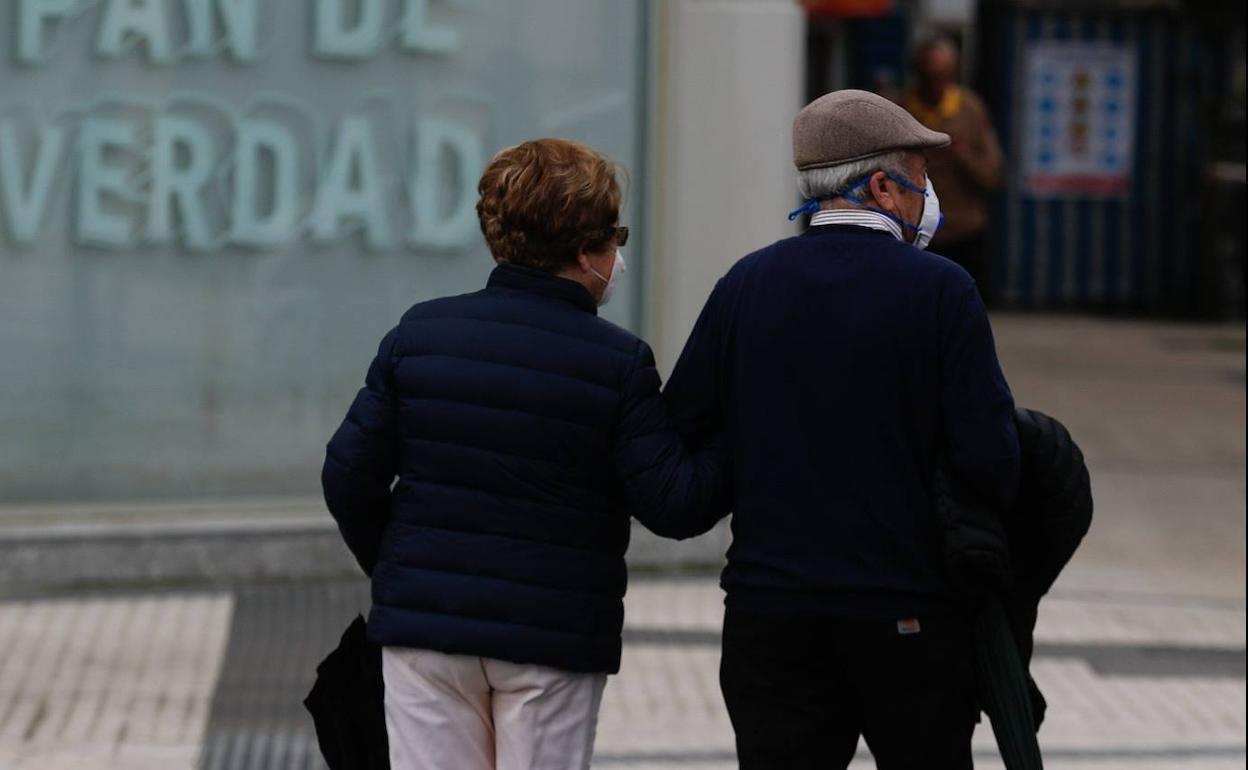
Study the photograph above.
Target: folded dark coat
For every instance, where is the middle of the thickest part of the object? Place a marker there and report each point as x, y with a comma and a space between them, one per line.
1051, 515
1016, 557
1004, 564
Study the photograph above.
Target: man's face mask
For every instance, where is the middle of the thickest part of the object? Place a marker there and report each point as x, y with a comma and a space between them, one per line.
931, 220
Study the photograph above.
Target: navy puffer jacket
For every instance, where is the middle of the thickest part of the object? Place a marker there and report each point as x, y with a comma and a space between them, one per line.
523, 431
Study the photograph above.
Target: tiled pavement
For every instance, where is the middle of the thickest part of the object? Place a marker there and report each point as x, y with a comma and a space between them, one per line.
215, 678
115, 682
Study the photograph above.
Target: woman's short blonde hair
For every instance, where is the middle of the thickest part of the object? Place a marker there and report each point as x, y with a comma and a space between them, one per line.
544, 200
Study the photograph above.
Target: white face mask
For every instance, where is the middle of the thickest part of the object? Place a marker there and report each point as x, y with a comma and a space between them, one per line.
618, 268
929, 223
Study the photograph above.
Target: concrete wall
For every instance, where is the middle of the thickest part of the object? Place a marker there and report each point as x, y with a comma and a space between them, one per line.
728, 80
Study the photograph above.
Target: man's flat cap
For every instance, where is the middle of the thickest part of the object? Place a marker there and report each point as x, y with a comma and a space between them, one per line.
851, 125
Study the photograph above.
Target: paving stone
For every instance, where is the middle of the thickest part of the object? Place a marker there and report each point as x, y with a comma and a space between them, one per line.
108, 683
1160, 621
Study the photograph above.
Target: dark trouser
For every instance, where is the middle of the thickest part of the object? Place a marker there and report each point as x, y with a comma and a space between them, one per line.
972, 254
800, 691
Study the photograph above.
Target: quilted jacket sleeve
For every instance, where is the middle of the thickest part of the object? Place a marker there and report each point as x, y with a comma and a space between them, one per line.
672, 491
360, 461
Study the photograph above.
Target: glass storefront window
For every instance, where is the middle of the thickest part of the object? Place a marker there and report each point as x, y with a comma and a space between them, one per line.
211, 211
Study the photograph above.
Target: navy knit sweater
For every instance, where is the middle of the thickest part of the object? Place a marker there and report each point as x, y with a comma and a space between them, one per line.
843, 366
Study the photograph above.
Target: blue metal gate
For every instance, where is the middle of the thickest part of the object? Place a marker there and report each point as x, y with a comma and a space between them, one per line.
1136, 250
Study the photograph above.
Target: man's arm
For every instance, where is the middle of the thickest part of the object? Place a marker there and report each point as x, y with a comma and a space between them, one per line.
673, 492
982, 440
361, 459
694, 394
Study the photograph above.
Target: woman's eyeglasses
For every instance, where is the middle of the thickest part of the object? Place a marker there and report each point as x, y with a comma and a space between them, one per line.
618, 235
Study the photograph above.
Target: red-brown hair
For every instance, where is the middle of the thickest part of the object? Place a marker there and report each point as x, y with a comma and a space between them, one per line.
544, 200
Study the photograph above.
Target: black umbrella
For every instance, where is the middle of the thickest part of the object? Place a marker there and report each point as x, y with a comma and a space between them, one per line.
1004, 688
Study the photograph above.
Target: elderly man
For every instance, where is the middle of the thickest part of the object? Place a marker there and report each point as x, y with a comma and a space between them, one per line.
847, 364
970, 167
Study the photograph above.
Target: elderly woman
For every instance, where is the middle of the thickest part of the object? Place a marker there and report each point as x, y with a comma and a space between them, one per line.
523, 431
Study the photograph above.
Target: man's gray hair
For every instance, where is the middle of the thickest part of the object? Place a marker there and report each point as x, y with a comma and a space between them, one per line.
816, 183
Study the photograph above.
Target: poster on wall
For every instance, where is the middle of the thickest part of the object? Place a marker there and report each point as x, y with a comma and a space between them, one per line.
1078, 119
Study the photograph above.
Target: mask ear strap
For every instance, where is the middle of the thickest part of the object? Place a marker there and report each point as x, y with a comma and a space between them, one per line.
889, 214
811, 206
908, 185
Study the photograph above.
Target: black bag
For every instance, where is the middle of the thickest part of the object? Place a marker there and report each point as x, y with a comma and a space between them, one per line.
347, 704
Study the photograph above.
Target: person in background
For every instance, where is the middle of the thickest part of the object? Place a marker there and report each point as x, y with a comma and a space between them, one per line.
968, 169
523, 430
845, 366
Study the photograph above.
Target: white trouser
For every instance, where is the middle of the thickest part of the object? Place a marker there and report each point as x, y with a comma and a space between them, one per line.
459, 712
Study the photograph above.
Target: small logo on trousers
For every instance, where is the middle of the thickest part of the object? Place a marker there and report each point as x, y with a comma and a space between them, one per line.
908, 626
